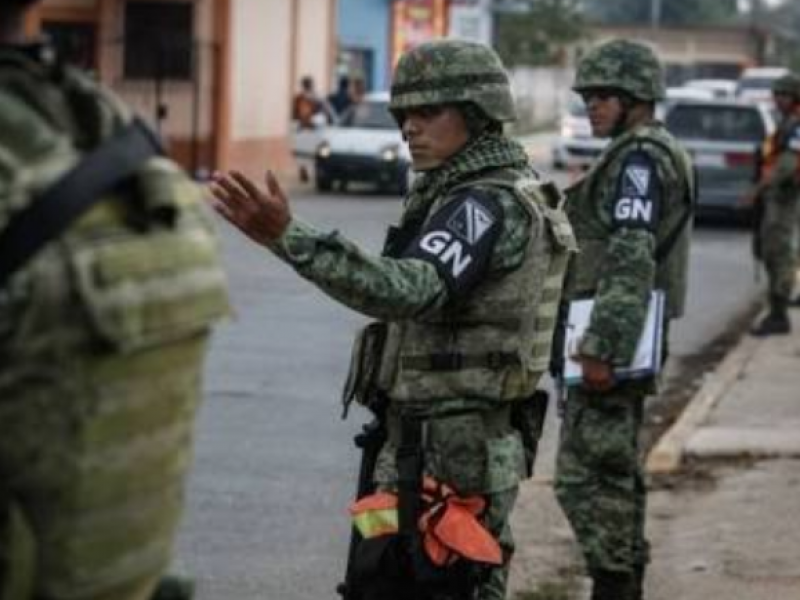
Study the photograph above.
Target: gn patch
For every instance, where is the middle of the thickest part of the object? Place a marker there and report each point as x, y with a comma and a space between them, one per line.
459, 239
638, 196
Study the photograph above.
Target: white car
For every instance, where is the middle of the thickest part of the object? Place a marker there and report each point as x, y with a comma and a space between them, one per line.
365, 146
719, 88
755, 84
575, 147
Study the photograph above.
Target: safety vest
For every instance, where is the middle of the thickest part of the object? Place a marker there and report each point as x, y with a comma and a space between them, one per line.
776, 144
496, 343
588, 198
449, 524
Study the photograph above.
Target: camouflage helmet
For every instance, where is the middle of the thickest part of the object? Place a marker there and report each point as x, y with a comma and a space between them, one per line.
620, 64
453, 71
788, 84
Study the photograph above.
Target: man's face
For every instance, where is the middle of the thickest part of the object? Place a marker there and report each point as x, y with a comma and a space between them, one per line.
434, 134
604, 108
784, 103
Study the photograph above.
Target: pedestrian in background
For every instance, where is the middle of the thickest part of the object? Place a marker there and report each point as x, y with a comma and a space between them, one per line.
308, 109
631, 214
463, 294
109, 283
778, 195
340, 100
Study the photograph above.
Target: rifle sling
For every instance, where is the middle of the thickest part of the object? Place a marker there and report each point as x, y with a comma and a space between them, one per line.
103, 169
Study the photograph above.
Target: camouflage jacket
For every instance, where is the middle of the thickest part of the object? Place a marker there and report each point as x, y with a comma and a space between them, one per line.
782, 159
627, 205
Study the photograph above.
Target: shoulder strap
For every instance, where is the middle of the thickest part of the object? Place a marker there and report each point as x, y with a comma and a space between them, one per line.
75, 192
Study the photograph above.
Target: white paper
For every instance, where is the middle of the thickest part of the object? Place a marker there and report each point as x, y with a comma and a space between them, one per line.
647, 359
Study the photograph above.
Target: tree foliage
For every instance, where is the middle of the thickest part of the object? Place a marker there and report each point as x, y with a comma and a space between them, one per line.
538, 31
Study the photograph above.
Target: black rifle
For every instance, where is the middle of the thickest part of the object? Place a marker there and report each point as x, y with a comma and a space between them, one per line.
370, 441
527, 417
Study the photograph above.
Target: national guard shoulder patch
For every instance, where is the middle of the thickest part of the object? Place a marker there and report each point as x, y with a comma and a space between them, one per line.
459, 239
637, 199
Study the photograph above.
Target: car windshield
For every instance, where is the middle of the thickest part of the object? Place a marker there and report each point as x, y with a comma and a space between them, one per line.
369, 115
717, 123
756, 83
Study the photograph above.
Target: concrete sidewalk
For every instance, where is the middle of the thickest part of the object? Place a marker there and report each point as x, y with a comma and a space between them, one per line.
724, 517
724, 505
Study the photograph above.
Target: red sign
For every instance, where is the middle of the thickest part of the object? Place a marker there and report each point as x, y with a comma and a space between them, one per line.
415, 22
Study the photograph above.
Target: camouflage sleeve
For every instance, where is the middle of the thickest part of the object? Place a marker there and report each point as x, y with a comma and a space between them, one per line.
379, 287
785, 173
622, 297
629, 271
390, 288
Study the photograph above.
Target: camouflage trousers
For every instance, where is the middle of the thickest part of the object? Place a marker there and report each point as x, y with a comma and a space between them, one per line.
599, 478
779, 246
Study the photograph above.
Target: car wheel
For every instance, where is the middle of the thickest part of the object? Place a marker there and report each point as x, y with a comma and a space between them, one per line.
324, 184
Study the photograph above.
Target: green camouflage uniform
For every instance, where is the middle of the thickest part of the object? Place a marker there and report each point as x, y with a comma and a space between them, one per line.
505, 310
778, 230
102, 337
599, 480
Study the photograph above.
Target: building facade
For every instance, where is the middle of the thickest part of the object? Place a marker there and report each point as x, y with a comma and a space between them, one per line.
215, 77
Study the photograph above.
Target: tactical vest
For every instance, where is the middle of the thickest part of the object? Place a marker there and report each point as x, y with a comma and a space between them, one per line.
588, 207
102, 339
496, 344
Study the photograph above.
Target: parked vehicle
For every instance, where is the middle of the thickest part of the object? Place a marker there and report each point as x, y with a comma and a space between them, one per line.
365, 146
755, 84
723, 137
719, 88
575, 147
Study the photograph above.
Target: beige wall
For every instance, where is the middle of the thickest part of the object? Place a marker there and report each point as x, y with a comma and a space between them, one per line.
314, 42
689, 45
273, 44
261, 67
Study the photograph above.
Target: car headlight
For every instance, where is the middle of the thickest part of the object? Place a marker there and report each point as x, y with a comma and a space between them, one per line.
390, 153
324, 150
566, 129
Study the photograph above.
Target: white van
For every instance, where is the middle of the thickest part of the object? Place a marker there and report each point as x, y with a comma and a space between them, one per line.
755, 84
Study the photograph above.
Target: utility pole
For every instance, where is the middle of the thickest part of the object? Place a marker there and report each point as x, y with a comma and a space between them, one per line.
655, 14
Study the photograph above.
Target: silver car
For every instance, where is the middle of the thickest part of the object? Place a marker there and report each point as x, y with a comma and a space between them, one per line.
724, 138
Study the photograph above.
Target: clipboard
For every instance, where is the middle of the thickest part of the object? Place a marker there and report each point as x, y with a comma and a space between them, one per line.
647, 358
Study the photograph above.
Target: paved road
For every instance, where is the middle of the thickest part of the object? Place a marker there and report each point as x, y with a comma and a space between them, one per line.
274, 467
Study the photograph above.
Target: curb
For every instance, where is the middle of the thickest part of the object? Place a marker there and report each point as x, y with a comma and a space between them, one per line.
667, 455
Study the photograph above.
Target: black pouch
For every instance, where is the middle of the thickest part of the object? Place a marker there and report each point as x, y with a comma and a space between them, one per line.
395, 567
527, 417
365, 361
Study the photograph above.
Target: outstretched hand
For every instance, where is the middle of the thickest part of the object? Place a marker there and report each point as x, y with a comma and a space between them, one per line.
262, 215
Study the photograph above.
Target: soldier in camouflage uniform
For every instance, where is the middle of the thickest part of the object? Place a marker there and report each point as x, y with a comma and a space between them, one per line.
102, 338
779, 191
631, 218
466, 289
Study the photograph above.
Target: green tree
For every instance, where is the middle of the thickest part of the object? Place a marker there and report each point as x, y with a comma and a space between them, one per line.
537, 32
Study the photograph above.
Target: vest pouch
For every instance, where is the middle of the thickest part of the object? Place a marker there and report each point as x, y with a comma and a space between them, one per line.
395, 567
362, 378
141, 291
